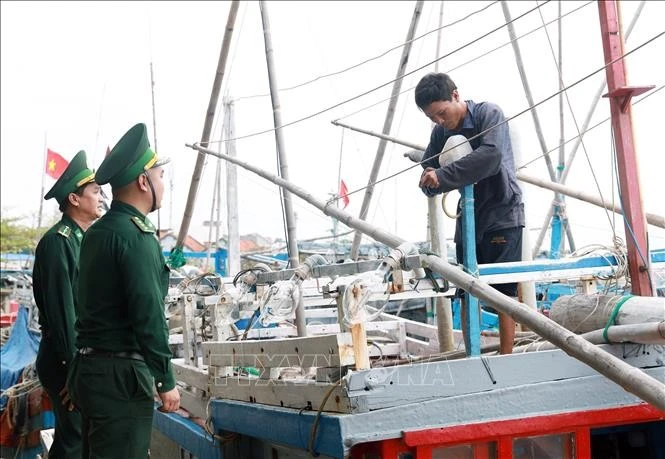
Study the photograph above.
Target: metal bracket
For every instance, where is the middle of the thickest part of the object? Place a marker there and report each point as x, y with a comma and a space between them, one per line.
624, 94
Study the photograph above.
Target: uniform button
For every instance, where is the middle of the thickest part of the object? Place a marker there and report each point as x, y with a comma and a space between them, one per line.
159, 384
64, 363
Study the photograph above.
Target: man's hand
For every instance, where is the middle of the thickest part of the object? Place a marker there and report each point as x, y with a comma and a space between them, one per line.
429, 178
66, 401
170, 400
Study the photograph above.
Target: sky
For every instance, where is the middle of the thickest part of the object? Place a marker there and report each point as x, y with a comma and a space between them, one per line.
76, 75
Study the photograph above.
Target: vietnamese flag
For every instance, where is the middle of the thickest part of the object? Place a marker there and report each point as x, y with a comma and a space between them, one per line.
55, 164
344, 193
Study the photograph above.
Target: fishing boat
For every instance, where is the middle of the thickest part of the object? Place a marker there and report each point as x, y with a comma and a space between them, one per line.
307, 362
318, 360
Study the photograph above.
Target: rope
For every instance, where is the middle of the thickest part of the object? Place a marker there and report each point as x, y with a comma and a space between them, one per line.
176, 259
445, 211
463, 64
619, 252
613, 316
339, 72
315, 425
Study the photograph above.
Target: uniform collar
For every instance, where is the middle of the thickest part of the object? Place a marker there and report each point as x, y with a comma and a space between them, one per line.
120, 206
468, 118
76, 229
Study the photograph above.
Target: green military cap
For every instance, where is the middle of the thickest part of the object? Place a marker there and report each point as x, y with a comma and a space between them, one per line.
75, 176
130, 157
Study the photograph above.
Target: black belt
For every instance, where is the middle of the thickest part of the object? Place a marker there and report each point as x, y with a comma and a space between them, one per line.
110, 354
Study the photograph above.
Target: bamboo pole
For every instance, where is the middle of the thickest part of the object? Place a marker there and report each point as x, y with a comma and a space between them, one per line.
652, 219
291, 239
443, 312
649, 333
527, 88
154, 135
628, 377
387, 124
207, 126
41, 193
233, 243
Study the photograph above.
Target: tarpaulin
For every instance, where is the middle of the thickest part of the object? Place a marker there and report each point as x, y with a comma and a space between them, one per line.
19, 351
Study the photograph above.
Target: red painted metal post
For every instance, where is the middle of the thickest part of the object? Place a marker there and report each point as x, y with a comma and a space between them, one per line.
582, 444
619, 95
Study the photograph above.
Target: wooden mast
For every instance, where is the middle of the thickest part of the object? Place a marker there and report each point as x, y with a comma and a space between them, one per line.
207, 127
289, 217
387, 124
620, 94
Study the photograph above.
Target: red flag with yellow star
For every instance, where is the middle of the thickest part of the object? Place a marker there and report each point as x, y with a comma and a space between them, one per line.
55, 164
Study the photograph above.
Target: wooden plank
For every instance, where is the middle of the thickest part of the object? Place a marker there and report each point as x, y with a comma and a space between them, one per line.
194, 403
291, 331
360, 351
421, 348
386, 350
313, 351
317, 329
190, 375
321, 313
298, 394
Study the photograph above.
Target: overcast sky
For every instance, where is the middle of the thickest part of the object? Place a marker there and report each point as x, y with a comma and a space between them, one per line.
76, 75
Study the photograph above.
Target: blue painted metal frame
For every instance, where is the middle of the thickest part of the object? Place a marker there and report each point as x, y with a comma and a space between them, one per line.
280, 425
557, 233
187, 435
657, 256
472, 320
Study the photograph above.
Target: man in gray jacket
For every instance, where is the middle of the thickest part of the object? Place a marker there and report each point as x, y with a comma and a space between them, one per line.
499, 210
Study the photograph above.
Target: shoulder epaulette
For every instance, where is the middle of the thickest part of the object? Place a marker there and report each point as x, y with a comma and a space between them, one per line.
65, 231
142, 225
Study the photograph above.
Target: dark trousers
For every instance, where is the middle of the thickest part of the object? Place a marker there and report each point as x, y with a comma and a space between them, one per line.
498, 246
115, 398
52, 375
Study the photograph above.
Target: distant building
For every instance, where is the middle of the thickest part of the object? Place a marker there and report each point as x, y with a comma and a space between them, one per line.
167, 239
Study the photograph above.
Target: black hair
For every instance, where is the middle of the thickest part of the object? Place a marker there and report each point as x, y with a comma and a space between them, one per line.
434, 87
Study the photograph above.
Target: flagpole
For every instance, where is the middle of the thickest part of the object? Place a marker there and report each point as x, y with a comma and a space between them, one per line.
41, 195
154, 135
339, 184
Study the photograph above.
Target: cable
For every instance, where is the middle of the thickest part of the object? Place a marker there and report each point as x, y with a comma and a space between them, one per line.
339, 104
315, 425
472, 60
589, 129
628, 225
480, 134
339, 72
577, 127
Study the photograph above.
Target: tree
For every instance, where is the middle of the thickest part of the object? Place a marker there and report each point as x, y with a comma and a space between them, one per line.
18, 238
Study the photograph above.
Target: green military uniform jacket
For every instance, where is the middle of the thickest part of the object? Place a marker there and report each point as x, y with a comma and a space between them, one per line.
54, 277
123, 282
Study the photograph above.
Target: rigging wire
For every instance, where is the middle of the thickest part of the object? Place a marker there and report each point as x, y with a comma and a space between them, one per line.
471, 60
533, 160
480, 134
366, 61
378, 207
339, 104
577, 127
628, 225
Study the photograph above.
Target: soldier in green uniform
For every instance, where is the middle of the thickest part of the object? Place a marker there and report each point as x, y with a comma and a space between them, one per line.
122, 329
54, 278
